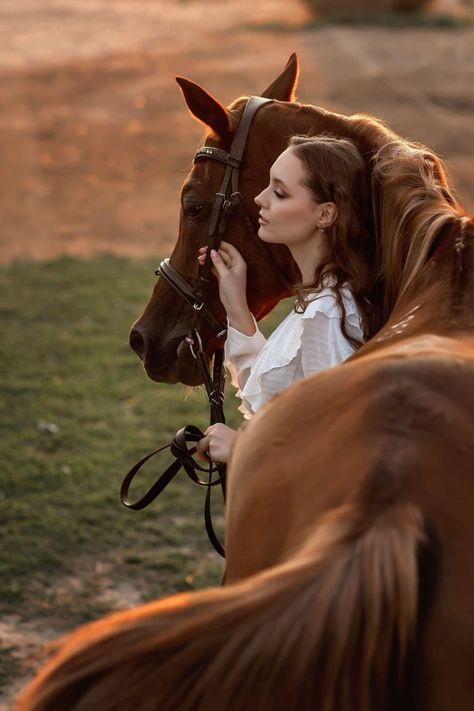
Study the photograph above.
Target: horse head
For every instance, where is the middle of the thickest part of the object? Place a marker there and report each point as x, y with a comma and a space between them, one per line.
158, 336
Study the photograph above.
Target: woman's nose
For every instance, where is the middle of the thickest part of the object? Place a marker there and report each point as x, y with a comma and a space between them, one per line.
258, 198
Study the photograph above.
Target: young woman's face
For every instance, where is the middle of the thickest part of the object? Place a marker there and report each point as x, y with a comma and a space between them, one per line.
288, 213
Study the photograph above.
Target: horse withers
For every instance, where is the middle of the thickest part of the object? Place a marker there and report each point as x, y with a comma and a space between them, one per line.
349, 519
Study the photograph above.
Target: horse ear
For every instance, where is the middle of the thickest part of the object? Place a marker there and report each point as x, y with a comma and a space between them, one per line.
205, 108
283, 88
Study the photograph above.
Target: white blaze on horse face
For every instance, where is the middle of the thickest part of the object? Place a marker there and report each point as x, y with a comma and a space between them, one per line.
288, 213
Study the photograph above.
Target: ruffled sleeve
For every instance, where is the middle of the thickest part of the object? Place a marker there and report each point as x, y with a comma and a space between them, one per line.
303, 344
321, 342
240, 353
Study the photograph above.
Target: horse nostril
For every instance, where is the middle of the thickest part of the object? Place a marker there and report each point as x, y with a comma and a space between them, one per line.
137, 342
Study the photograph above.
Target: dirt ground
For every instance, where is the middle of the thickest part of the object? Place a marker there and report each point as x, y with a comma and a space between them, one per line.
95, 140
94, 137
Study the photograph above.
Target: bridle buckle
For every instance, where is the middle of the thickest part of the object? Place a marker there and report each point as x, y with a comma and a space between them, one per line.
190, 340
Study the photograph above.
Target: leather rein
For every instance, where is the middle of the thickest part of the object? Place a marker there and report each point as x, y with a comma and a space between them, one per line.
227, 200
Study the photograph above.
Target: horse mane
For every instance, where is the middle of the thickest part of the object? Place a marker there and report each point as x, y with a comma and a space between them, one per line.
413, 203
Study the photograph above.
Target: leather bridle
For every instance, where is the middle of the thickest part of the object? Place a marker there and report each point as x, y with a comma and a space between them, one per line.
227, 200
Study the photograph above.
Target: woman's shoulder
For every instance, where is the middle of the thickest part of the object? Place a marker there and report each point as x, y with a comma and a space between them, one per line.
325, 301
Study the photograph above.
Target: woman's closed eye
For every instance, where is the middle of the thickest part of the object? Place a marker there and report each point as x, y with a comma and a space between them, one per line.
279, 194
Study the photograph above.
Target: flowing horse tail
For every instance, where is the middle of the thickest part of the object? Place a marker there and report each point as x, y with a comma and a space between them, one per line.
329, 630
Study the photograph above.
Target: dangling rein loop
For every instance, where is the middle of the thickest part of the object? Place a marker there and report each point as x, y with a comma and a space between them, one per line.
183, 459
183, 454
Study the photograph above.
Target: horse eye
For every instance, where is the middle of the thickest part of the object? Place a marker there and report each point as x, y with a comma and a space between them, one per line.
195, 210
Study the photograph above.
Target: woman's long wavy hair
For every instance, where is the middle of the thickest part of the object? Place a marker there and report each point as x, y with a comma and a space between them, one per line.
414, 201
334, 171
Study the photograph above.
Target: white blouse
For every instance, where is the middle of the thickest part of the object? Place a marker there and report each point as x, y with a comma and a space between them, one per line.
301, 345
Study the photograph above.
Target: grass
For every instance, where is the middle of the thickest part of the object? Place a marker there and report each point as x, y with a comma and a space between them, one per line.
427, 20
403, 20
76, 412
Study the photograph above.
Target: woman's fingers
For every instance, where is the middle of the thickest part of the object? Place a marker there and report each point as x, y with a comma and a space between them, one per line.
230, 251
217, 442
201, 448
213, 268
203, 254
227, 255
218, 263
227, 246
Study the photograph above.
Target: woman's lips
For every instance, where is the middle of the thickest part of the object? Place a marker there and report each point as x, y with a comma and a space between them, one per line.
262, 220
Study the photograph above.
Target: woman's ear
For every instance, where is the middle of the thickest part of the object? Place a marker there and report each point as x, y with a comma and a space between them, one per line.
327, 215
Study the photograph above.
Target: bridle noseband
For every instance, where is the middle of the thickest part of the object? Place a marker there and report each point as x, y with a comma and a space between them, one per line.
179, 284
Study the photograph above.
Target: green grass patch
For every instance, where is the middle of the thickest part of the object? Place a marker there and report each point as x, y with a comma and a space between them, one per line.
402, 20
76, 411
428, 20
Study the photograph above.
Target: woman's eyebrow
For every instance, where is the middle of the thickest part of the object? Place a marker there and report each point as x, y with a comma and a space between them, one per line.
278, 181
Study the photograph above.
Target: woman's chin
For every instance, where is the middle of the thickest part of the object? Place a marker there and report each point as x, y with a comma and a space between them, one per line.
264, 234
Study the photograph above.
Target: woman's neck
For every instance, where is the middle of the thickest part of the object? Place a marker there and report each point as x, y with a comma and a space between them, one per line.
309, 255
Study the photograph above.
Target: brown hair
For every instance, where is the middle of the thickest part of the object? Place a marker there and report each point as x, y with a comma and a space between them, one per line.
336, 172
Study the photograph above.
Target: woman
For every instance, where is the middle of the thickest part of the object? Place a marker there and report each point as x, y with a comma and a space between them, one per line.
311, 205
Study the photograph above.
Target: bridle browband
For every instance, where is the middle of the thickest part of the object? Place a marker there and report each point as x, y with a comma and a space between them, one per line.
227, 200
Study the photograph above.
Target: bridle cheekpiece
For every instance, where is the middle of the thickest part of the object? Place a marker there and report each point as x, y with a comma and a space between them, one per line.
226, 200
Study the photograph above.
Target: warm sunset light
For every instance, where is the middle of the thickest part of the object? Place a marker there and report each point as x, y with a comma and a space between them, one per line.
218, 210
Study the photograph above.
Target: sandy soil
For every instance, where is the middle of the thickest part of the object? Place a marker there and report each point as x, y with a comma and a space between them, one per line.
28, 640
95, 141
94, 137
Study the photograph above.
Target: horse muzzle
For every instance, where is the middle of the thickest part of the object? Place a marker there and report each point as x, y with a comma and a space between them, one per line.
170, 362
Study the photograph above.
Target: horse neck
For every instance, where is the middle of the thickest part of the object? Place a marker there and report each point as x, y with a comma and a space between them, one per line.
440, 300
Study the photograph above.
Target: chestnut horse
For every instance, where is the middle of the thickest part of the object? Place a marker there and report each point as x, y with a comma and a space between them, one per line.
350, 496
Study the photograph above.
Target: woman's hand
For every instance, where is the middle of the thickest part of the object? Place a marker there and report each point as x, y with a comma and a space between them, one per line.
230, 268
218, 442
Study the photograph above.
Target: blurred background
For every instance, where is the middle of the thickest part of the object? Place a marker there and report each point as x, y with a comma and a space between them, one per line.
95, 143
94, 138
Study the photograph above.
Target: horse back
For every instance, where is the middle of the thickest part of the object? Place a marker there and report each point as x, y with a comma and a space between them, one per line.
375, 430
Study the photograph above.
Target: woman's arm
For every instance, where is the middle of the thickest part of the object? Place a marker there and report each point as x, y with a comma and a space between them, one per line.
240, 354
244, 340
230, 269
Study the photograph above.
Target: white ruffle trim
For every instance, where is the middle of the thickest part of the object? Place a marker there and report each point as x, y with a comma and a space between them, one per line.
257, 390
